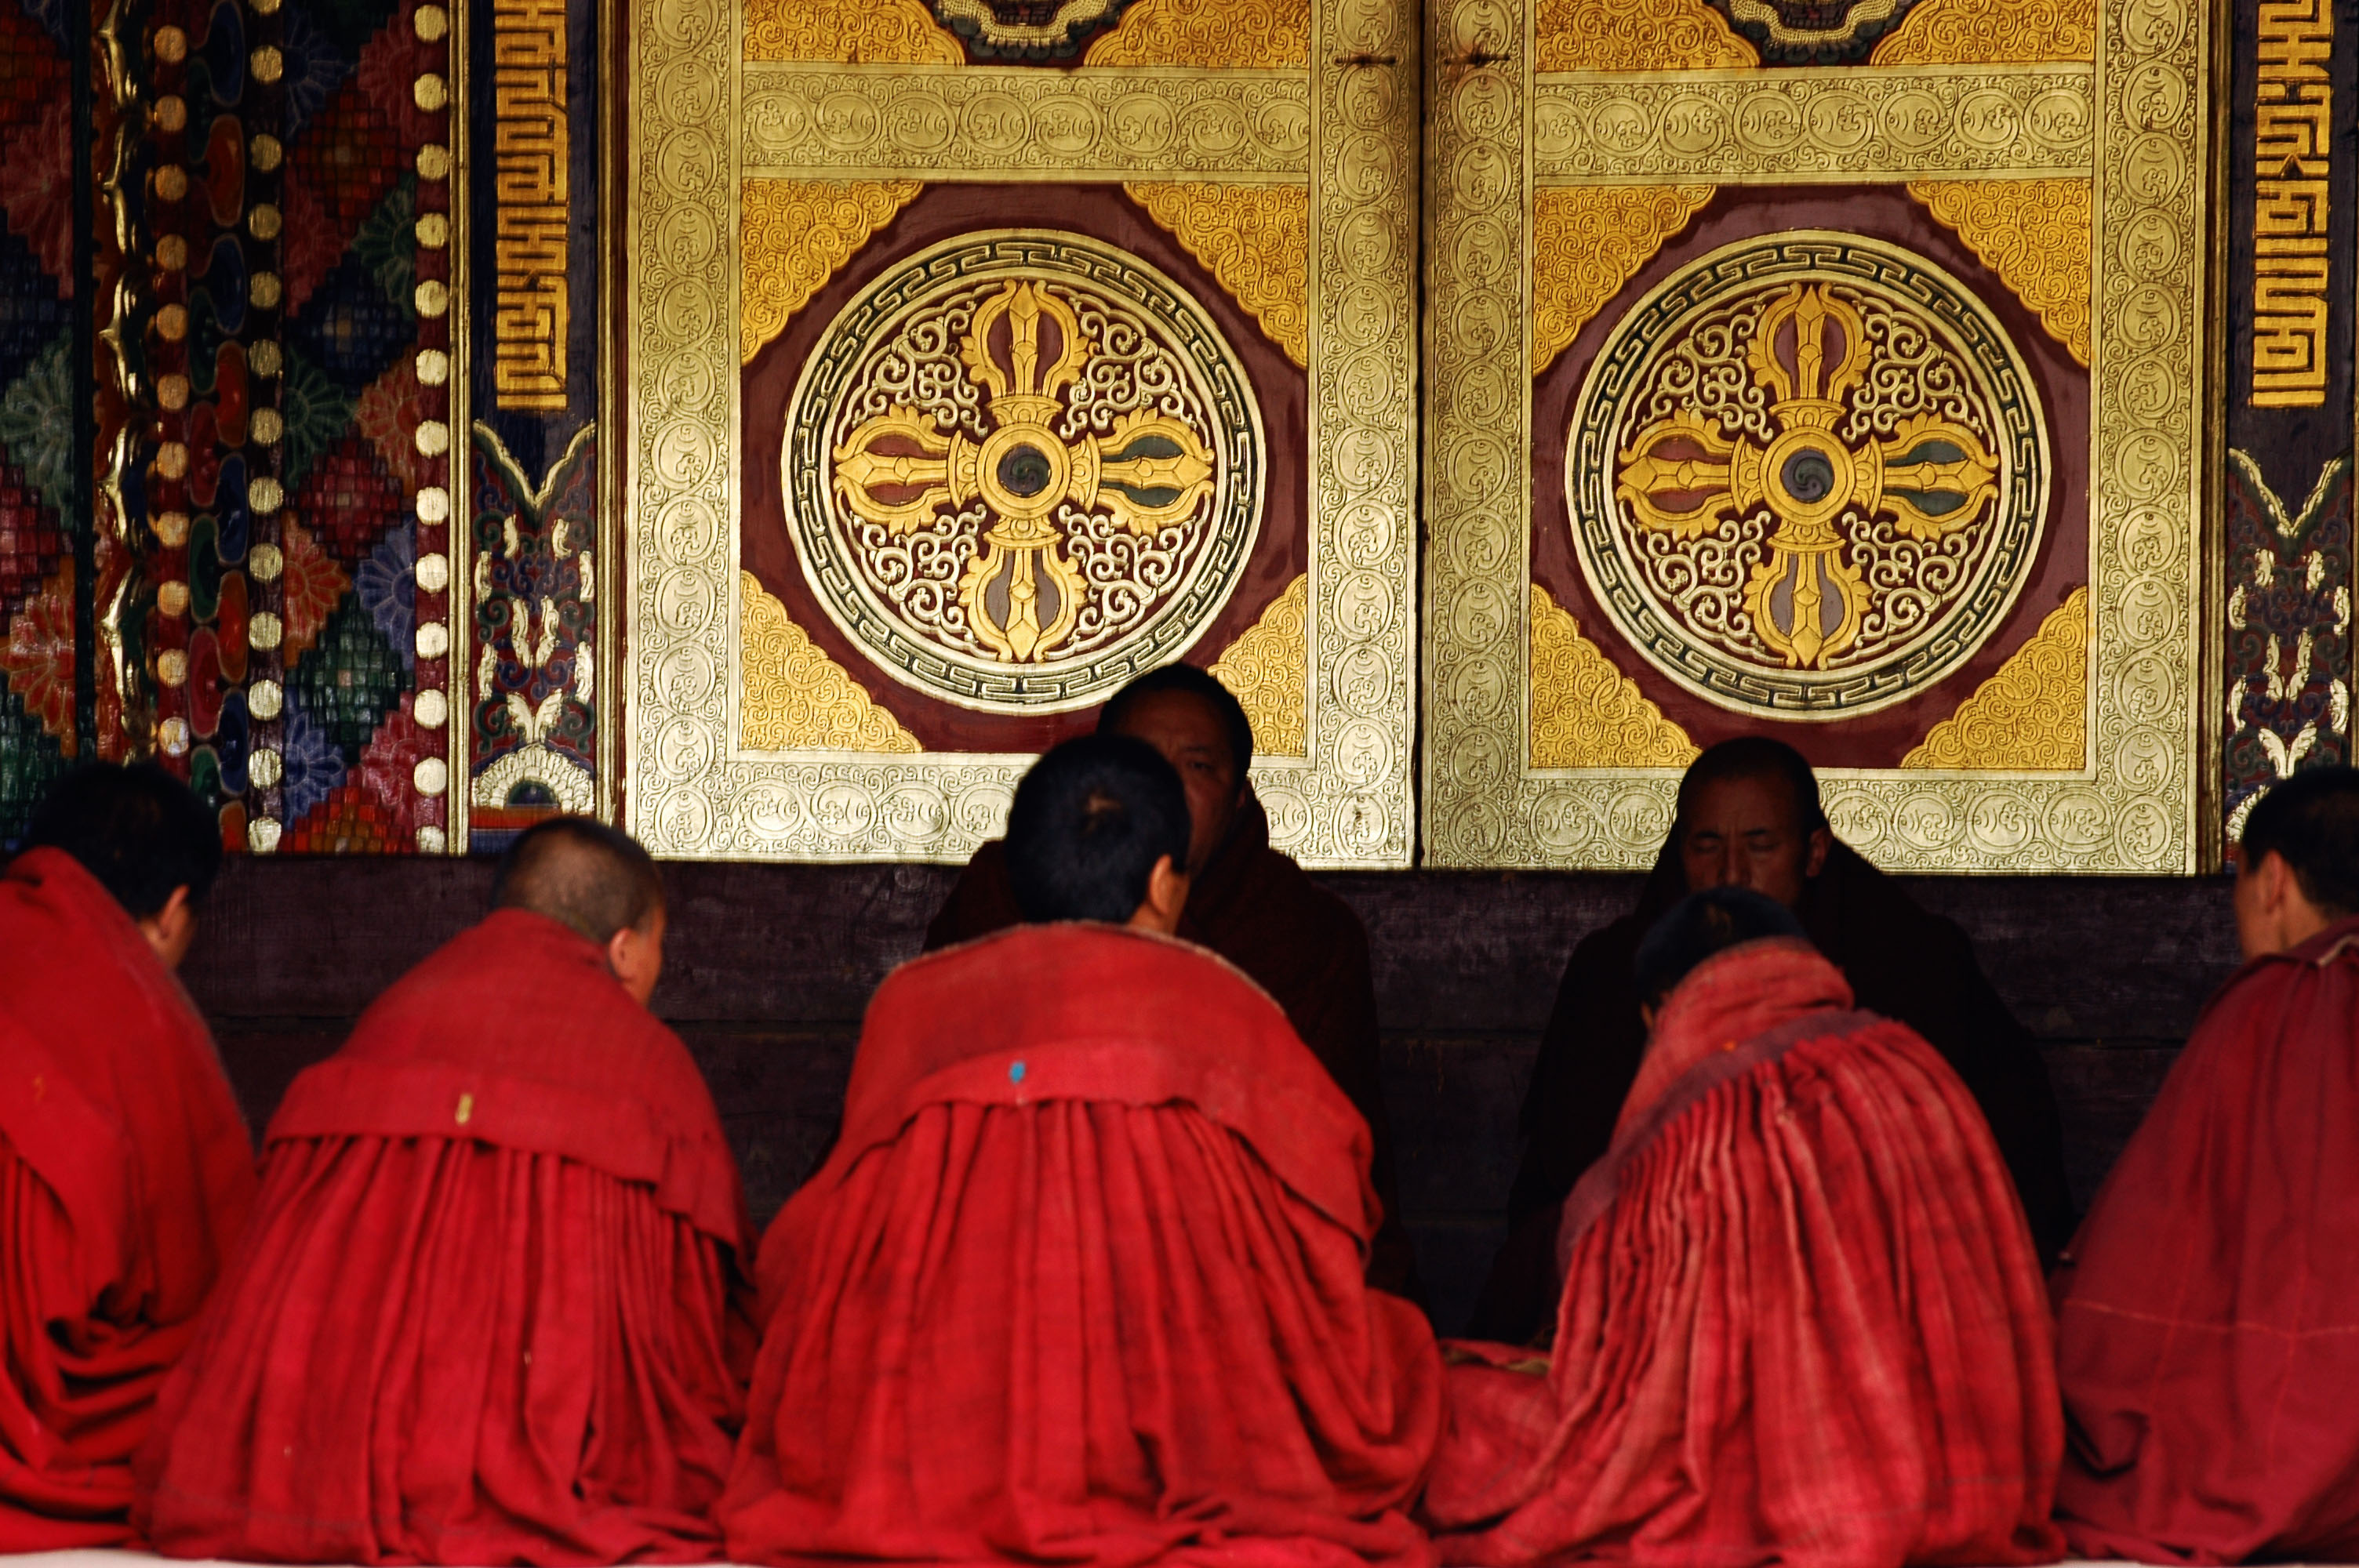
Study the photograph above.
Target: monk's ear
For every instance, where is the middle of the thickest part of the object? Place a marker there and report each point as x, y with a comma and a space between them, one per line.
1814, 860
1647, 1013
1166, 895
171, 931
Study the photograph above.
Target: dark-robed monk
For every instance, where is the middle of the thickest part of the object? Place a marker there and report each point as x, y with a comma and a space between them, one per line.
1246, 901
2208, 1320
483, 1312
1749, 816
1802, 1319
1082, 1282
125, 1170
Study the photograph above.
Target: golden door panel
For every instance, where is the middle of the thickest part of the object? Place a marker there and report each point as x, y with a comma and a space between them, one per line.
978, 367
1772, 398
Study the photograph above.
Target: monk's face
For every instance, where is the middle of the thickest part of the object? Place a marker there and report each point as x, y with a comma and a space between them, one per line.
1748, 833
1192, 738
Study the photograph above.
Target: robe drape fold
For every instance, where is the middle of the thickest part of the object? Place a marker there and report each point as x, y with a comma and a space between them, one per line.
1082, 1284
1802, 1319
2208, 1311
125, 1174
483, 1312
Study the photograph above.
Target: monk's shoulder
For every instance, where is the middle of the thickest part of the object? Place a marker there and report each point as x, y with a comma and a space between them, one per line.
1279, 897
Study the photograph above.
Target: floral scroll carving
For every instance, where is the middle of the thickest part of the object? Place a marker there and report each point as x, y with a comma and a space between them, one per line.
2031, 717
1269, 667
1586, 241
1269, 34
2035, 235
1256, 241
796, 698
1586, 713
795, 234
1992, 32
857, 32
1661, 35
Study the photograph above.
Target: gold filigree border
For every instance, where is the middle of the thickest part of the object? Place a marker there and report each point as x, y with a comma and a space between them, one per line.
1269, 666
1255, 239
2035, 235
2033, 715
1586, 241
793, 236
2131, 806
1586, 713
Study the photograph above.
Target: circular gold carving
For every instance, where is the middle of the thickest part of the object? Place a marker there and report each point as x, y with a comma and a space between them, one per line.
1021, 467
1807, 475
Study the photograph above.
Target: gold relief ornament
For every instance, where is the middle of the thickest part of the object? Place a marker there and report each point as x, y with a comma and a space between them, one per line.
1806, 476
1255, 239
796, 234
1586, 713
2035, 235
796, 698
1268, 669
2033, 715
1587, 241
1021, 467
1237, 34
1992, 32
857, 32
1656, 35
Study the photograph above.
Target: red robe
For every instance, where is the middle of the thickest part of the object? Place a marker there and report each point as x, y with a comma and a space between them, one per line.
1080, 1284
1295, 940
2209, 1321
482, 1313
125, 1173
1802, 1321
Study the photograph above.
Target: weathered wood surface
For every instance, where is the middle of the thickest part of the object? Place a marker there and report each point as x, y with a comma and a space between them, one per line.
769, 968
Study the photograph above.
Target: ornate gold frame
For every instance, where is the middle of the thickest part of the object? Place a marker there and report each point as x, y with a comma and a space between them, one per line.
2143, 138
701, 119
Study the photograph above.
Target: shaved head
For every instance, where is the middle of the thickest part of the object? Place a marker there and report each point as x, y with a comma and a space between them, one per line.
582, 874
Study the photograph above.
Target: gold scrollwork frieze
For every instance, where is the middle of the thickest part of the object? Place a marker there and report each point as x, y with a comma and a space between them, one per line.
1748, 126
894, 122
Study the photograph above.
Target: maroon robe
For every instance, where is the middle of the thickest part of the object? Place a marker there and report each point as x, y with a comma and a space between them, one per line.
2208, 1320
1300, 943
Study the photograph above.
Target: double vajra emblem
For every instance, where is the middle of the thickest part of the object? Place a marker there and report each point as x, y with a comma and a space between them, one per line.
1021, 596
1682, 476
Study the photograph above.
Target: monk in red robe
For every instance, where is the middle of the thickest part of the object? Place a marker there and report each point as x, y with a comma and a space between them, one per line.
2208, 1309
1749, 816
1246, 901
1082, 1282
484, 1312
1802, 1320
125, 1170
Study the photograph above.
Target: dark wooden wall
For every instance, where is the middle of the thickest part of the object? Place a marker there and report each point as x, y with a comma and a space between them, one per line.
768, 967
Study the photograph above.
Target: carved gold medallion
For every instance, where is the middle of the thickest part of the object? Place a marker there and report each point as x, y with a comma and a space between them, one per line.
1023, 466
1807, 475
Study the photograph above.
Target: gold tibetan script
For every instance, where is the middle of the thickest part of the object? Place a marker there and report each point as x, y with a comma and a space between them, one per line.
2293, 165
530, 159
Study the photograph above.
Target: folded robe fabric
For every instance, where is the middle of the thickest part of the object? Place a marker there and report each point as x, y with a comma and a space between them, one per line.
1255, 908
2208, 1312
483, 1313
126, 1174
1082, 1284
1802, 1321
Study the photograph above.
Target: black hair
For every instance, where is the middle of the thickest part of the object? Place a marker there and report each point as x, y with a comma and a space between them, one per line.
2310, 821
138, 829
1702, 924
1195, 683
580, 874
1753, 757
1088, 823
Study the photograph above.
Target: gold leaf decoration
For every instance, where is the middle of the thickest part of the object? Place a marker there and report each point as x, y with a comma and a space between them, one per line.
798, 699
1648, 35
1272, 34
2035, 235
2031, 717
1269, 666
1992, 32
1256, 241
795, 234
1586, 241
856, 32
1586, 713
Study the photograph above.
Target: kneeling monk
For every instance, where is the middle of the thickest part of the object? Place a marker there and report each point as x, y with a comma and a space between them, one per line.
1082, 1281
125, 1170
482, 1315
2208, 1311
1802, 1319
